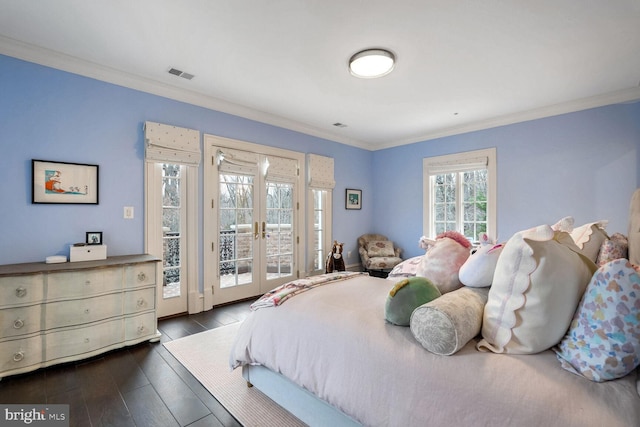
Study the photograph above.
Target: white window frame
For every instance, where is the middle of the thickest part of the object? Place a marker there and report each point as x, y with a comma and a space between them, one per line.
153, 226
454, 163
327, 221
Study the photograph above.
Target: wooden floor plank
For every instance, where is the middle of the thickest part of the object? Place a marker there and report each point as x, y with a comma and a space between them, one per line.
142, 385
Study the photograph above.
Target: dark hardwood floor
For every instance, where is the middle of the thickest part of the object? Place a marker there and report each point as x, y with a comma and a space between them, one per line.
142, 385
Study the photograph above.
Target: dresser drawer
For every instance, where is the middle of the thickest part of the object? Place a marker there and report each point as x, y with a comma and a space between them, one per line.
21, 289
140, 275
74, 342
78, 312
84, 283
20, 320
140, 327
139, 301
20, 353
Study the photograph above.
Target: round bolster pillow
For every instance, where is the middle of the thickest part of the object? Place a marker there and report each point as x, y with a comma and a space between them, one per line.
446, 324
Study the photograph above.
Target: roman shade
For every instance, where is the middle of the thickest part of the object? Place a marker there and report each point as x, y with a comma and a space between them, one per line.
467, 164
171, 144
320, 172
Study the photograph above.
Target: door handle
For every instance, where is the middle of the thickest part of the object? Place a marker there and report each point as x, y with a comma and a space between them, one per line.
255, 230
264, 229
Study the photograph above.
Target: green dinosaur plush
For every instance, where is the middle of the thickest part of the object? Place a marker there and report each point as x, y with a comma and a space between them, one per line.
407, 295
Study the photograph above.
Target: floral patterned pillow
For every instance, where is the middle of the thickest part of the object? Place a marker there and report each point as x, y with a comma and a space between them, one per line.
406, 268
613, 248
603, 341
378, 248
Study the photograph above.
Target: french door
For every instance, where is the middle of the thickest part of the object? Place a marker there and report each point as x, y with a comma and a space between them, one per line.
253, 220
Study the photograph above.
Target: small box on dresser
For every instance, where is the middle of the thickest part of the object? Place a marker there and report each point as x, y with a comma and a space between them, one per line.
87, 253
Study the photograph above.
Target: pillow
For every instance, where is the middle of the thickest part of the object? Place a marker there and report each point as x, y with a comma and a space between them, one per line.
406, 296
380, 248
441, 263
634, 228
589, 238
477, 271
539, 280
446, 324
614, 248
406, 268
603, 342
564, 224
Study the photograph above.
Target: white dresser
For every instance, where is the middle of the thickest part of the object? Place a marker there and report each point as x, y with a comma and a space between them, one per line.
55, 313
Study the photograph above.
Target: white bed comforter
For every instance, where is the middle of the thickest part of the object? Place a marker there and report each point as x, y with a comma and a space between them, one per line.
334, 342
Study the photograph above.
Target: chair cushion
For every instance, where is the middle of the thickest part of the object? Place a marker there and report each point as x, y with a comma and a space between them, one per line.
382, 262
378, 248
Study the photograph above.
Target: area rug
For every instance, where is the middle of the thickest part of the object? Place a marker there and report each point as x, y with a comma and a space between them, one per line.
206, 356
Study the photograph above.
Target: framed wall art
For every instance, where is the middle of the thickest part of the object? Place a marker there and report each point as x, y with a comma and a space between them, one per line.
353, 199
62, 182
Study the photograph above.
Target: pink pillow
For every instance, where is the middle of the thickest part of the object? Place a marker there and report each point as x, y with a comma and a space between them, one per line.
442, 262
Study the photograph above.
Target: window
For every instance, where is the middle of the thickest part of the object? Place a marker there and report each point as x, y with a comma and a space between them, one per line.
321, 223
172, 156
459, 194
320, 196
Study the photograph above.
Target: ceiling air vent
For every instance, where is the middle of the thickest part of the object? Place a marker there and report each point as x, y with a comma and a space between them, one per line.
182, 74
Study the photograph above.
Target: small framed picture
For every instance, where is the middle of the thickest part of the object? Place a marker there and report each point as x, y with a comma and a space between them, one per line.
94, 237
353, 199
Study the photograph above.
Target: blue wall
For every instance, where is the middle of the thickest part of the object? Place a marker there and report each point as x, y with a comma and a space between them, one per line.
582, 164
53, 115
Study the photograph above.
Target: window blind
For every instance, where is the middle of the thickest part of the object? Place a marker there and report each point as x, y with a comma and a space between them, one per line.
466, 164
281, 169
237, 161
320, 172
171, 144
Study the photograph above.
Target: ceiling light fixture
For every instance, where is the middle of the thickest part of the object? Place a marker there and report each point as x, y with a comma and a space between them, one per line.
372, 63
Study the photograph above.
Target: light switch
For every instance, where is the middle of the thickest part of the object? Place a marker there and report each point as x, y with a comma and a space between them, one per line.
128, 212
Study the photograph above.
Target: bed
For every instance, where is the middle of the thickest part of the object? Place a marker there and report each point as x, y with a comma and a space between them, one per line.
329, 356
333, 342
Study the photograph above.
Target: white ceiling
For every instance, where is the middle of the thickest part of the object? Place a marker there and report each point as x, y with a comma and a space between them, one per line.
461, 65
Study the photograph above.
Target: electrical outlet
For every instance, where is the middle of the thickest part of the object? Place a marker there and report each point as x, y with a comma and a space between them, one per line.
128, 212
349, 254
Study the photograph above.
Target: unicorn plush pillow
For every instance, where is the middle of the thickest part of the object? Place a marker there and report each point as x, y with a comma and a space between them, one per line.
478, 269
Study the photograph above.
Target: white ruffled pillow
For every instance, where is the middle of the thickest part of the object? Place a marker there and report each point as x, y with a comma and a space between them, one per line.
539, 280
589, 238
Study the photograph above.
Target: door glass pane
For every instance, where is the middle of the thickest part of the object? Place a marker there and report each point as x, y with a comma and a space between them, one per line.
171, 226
279, 228
318, 229
236, 230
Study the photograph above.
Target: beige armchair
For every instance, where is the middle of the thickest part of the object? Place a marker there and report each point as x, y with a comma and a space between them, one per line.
377, 252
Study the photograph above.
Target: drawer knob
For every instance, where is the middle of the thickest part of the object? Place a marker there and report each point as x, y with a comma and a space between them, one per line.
21, 292
140, 302
86, 340
86, 311
140, 330
88, 282
17, 357
142, 277
18, 323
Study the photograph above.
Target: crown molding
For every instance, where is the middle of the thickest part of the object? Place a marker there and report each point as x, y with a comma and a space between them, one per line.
618, 97
49, 58
74, 65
